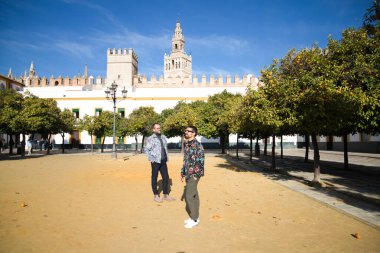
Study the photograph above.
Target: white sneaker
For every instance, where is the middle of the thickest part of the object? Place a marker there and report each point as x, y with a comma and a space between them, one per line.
157, 199
191, 224
189, 219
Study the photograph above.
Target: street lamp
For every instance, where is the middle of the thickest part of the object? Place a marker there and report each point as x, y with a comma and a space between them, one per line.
111, 95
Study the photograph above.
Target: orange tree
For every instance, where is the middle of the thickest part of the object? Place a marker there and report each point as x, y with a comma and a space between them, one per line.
41, 116
67, 125
140, 122
11, 122
88, 124
177, 119
216, 116
318, 104
260, 115
355, 65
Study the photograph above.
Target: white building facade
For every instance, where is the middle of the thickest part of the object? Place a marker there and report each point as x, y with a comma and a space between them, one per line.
84, 94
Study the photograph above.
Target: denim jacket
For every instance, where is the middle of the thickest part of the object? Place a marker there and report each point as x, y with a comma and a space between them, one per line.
153, 148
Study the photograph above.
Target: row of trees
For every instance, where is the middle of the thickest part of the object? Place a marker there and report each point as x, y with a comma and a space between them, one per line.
28, 115
331, 91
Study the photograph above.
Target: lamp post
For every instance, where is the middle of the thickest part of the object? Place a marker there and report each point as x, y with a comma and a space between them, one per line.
111, 95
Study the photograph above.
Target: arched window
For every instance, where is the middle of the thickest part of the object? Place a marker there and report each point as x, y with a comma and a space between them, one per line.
176, 46
56, 83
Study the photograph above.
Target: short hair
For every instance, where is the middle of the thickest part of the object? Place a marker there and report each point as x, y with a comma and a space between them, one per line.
155, 124
195, 130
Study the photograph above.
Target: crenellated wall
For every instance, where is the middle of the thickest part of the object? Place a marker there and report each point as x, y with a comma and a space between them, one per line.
37, 81
142, 81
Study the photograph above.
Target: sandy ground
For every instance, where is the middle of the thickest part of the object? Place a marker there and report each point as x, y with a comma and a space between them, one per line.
90, 203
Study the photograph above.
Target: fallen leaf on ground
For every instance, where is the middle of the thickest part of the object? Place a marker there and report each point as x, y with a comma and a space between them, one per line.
216, 217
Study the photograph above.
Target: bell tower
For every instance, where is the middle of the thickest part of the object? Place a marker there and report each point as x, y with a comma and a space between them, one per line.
178, 64
178, 40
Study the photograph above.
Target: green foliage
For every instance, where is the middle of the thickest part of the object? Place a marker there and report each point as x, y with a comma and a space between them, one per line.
259, 113
87, 124
371, 18
140, 121
355, 67
217, 113
41, 115
177, 120
67, 121
103, 124
11, 103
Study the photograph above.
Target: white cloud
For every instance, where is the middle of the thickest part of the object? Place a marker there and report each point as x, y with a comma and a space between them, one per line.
8, 43
76, 49
222, 43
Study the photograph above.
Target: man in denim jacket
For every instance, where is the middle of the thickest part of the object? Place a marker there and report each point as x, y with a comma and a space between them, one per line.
157, 151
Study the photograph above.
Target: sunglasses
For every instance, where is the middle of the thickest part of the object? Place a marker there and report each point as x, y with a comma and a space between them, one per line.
189, 131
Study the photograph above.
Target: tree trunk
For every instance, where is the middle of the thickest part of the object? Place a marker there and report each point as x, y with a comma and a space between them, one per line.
282, 148
102, 145
48, 145
345, 152
222, 143
11, 142
23, 146
273, 152
63, 142
317, 168
237, 145
137, 144
142, 144
265, 145
227, 136
92, 141
307, 144
250, 147
182, 144
257, 146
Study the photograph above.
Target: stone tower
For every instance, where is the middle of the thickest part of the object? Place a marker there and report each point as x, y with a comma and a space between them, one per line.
121, 67
85, 75
178, 64
31, 70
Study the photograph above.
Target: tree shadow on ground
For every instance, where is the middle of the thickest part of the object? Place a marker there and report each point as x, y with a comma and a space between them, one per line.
8, 157
360, 179
355, 181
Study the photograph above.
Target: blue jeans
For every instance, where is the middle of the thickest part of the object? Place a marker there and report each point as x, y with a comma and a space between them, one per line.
163, 169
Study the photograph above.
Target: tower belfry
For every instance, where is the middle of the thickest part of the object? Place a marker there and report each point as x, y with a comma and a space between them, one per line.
178, 40
178, 64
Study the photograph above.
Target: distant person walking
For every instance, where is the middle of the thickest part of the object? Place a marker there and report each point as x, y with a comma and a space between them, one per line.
157, 151
29, 144
192, 171
1, 145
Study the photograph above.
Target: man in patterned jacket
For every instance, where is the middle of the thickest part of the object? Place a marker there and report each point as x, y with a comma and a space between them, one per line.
157, 151
192, 171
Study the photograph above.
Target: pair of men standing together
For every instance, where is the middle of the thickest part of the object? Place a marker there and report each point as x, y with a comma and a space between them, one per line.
192, 169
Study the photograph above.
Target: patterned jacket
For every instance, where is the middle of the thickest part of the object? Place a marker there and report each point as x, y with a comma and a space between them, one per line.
153, 148
193, 160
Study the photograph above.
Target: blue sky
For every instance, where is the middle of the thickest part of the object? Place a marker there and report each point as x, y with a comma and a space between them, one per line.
223, 37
